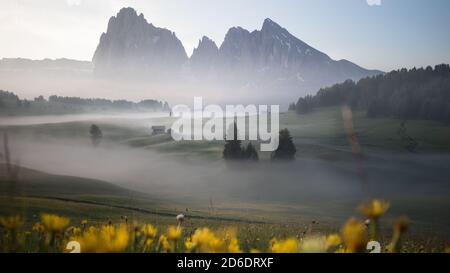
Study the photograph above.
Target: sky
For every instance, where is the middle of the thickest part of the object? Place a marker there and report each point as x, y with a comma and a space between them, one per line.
376, 34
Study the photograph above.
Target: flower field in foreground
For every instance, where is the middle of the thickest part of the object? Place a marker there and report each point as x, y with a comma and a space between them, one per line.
52, 233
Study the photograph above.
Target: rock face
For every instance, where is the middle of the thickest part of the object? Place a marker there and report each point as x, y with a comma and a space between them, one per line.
270, 58
272, 53
205, 56
131, 44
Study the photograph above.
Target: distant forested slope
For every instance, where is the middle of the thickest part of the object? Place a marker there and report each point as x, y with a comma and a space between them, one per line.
422, 93
12, 105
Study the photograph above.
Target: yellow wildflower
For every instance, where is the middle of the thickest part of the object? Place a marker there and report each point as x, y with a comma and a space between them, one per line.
290, 245
188, 244
233, 247
84, 222
333, 240
374, 209
207, 241
115, 240
108, 239
174, 233
11, 223
354, 235
149, 231
54, 223
38, 227
76, 231
164, 244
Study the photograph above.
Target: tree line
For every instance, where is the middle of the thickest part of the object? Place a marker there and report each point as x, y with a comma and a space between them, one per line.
11, 104
422, 93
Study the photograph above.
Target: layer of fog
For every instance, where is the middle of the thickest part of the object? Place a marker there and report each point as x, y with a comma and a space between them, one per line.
32, 83
421, 180
53, 119
303, 182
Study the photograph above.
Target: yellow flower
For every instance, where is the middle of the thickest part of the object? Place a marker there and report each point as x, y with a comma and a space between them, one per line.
38, 227
115, 240
375, 209
233, 247
11, 223
149, 231
76, 231
313, 245
174, 233
188, 244
207, 241
84, 222
333, 240
164, 244
108, 239
148, 242
255, 251
92, 229
354, 235
290, 245
54, 223
229, 236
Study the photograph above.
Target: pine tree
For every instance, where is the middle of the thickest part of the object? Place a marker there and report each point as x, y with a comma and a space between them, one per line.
286, 149
232, 149
250, 152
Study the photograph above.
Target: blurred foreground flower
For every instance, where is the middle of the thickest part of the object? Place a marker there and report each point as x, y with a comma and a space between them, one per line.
149, 231
400, 228
108, 239
374, 209
54, 223
355, 236
174, 233
163, 244
290, 245
333, 241
206, 241
11, 223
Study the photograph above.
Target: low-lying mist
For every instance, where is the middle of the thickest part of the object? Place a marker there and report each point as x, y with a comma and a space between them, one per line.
308, 181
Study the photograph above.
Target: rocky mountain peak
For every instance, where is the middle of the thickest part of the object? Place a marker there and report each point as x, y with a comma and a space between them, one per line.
205, 55
132, 44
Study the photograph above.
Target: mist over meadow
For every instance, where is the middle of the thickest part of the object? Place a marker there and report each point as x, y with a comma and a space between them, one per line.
196, 179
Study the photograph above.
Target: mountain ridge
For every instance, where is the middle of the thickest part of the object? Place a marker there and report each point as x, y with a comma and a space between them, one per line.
260, 57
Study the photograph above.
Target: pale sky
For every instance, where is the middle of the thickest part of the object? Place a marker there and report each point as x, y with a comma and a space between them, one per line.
377, 34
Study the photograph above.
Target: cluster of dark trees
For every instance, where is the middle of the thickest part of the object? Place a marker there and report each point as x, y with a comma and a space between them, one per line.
11, 104
422, 93
233, 149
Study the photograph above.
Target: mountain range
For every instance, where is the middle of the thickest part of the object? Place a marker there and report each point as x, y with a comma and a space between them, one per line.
267, 58
137, 60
